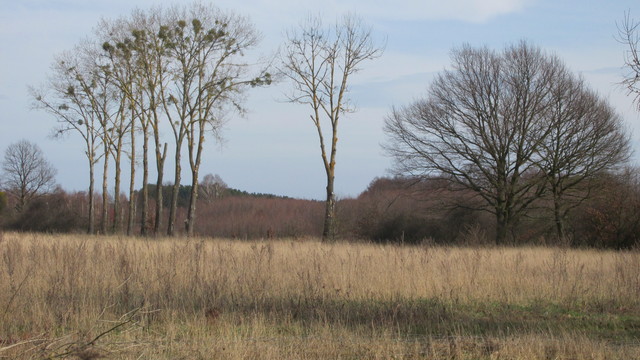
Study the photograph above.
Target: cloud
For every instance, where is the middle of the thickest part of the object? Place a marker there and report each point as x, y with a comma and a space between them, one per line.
479, 10
476, 11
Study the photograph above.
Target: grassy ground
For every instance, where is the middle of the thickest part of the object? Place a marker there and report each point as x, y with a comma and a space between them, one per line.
82, 297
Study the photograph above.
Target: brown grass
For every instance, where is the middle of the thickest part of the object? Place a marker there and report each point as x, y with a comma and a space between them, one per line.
121, 298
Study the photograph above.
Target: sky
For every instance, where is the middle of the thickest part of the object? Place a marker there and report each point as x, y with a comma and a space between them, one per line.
274, 147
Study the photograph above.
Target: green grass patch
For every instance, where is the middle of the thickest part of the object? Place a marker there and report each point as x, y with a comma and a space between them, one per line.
434, 318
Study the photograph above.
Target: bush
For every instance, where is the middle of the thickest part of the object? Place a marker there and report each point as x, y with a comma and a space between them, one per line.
410, 211
3, 207
3, 202
611, 218
48, 213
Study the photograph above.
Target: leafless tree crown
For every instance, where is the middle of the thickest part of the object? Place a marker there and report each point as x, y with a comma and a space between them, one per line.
27, 174
319, 62
506, 125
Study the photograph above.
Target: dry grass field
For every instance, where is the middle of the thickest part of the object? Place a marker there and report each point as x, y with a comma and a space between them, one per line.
81, 297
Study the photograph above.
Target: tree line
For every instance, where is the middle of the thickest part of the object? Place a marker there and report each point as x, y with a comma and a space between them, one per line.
514, 130
181, 68
397, 210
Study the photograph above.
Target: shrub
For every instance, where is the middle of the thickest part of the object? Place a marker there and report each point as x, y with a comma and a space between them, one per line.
48, 213
3, 201
410, 211
611, 218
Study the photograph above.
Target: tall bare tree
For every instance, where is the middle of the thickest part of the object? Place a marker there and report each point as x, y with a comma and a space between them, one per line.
319, 62
151, 63
138, 55
68, 97
26, 173
222, 79
96, 80
108, 101
117, 121
181, 69
91, 80
206, 47
175, 94
119, 51
495, 122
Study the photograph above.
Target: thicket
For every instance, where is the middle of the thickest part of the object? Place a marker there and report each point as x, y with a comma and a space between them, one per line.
390, 210
409, 211
3, 201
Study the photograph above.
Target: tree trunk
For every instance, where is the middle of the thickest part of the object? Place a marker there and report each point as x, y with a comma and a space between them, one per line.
194, 163
502, 210
105, 193
22, 201
191, 216
503, 223
144, 231
91, 229
557, 213
173, 208
116, 190
160, 158
132, 184
329, 231
501, 230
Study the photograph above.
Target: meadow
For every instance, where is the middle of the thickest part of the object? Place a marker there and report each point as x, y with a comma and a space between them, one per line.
90, 297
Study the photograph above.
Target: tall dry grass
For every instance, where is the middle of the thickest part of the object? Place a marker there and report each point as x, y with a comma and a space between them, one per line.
86, 297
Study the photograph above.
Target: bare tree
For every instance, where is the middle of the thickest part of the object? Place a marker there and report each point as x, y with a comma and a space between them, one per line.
223, 77
27, 173
109, 108
211, 187
91, 86
119, 51
117, 133
629, 36
174, 95
68, 97
319, 62
490, 124
205, 47
139, 52
151, 64
180, 69
587, 138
